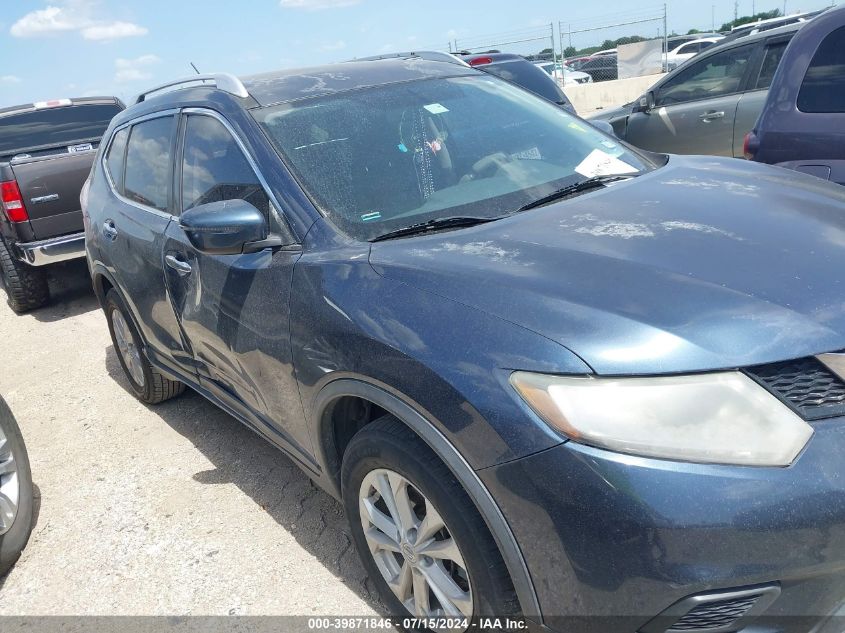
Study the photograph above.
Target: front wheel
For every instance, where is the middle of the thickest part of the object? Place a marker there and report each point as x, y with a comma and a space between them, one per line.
418, 533
15, 491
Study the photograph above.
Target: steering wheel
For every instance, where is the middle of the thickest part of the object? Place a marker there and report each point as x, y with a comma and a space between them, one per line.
488, 166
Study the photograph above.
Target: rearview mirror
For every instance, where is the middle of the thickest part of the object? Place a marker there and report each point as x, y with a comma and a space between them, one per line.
645, 103
227, 227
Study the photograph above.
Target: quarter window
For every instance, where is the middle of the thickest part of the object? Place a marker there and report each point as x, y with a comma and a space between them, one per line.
823, 89
715, 76
148, 162
214, 168
116, 158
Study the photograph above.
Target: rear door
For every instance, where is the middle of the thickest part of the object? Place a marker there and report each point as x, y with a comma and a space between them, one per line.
752, 101
139, 167
235, 309
695, 109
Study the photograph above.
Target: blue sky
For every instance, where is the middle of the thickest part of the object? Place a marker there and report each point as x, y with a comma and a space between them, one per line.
66, 48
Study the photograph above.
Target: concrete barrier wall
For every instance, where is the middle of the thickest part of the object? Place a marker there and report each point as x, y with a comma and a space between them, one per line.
587, 98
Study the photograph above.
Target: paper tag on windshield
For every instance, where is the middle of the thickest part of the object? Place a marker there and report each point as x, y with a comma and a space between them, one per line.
599, 163
436, 108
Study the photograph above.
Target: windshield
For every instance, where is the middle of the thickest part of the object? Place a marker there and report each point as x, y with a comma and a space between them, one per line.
380, 159
55, 126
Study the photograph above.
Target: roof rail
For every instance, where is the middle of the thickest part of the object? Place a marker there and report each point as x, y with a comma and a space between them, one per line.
432, 56
221, 81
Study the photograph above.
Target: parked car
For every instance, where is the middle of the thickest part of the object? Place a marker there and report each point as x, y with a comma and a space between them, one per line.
601, 67
16, 498
708, 104
752, 28
802, 125
564, 74
546, 374
518, 70
688, 50
46, 151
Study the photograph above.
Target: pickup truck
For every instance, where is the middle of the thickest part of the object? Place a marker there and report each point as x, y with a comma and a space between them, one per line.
46, 153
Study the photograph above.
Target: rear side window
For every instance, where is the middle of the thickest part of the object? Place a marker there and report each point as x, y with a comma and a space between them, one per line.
148, 162
214, 168
771, 61
55, 127
823, 89
116, 158
528, 76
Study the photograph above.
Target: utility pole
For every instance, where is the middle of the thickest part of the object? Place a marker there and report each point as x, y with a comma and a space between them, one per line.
713, 18
736, 10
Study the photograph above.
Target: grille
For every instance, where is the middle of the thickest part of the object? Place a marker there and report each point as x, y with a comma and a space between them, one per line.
714, 615
806, 385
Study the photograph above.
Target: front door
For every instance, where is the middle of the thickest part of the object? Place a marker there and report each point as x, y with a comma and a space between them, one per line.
695, 110
235, 309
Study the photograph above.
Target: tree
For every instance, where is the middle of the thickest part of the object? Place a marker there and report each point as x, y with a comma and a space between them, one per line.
693, 31
570, 51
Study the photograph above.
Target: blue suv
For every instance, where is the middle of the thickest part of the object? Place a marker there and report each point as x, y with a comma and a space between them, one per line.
549, 376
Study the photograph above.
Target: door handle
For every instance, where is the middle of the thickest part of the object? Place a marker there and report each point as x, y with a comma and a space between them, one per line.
709, 116
180, 266
109, 230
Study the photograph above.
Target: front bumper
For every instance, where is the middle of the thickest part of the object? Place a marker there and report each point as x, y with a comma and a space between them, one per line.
53, 250
618, 540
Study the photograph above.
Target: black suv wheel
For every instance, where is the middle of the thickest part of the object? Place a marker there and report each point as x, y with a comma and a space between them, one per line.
420, 537
148, 384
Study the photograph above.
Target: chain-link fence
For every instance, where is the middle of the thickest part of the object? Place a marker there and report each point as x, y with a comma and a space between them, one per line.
627, 44
536, 43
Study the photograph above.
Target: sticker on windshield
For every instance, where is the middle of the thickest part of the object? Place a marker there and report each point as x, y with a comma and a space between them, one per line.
435, 108
599, 163
369, 217
532, 153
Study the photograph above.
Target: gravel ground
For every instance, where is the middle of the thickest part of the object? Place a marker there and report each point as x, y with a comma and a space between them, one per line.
175, 509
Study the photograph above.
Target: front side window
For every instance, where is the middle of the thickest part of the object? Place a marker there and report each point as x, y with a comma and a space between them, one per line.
148, 162
718, 75
823, 89
215, 169
116, 157
380, 159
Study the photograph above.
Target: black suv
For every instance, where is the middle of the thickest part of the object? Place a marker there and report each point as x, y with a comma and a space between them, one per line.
546, 373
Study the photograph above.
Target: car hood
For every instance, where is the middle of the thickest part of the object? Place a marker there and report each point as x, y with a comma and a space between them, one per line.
699, 265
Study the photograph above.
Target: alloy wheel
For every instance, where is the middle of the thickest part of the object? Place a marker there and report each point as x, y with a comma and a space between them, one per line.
9, 486
413, 547
126, 347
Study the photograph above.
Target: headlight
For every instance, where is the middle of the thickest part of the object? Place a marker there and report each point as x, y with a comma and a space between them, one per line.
721, 418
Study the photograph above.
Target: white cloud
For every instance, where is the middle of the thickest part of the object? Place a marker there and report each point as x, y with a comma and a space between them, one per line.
46, 21
137, 69
333, 46
113, 31
9, 79
316, 5
72, 16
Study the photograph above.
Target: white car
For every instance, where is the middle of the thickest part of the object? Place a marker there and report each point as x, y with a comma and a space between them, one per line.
687, 50
563, 74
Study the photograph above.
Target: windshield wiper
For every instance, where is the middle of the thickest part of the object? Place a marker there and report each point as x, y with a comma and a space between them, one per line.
435, 224
578, 187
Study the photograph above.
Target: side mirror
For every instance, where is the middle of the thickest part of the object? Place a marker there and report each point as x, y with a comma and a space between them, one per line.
603, 126
227, 227
645, 103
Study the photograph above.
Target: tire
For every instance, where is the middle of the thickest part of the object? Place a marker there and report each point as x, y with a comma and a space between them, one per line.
26, 286
14, 532
387, 447
148, 384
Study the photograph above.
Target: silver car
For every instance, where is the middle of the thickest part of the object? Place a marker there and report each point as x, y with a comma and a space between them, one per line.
707, 104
